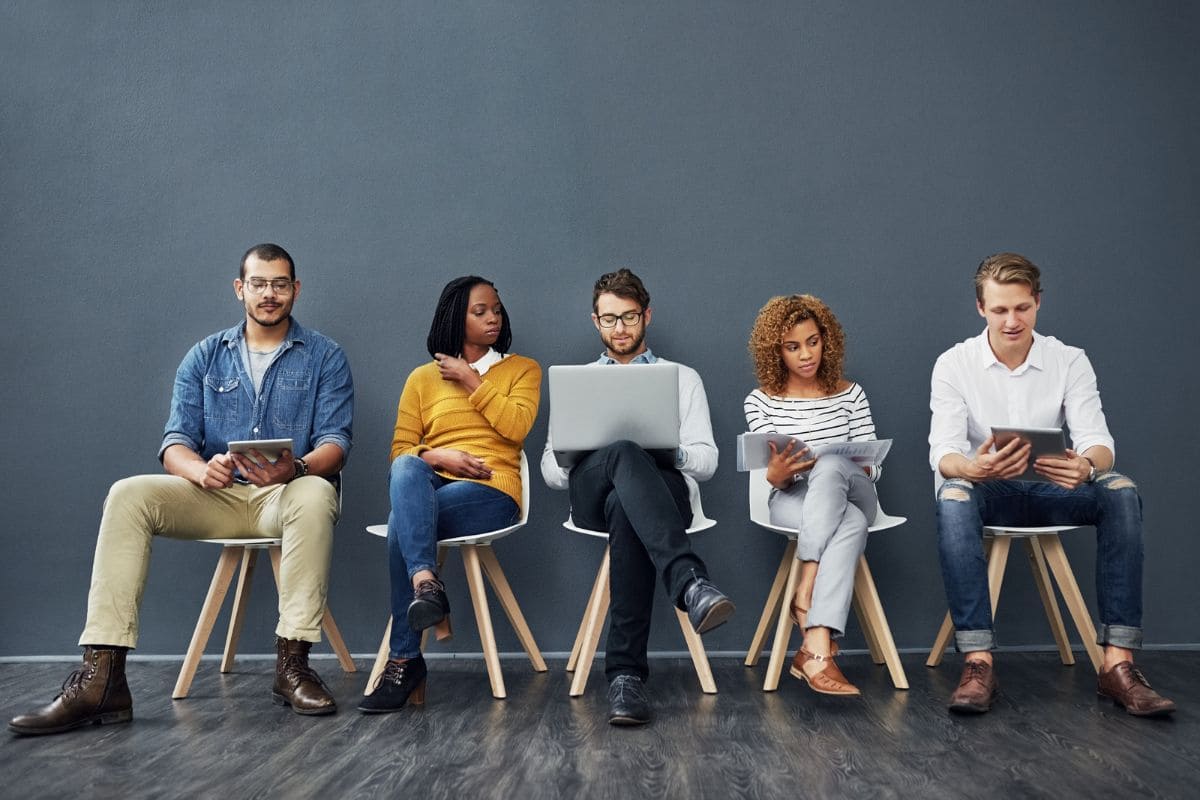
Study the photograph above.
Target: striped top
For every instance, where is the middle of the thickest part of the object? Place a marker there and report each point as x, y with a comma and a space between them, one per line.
841, 417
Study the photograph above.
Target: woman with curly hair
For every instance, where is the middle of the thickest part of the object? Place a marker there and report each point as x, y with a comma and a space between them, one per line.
798, 348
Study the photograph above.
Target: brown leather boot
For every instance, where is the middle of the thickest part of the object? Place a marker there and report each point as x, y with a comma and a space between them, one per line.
296, 684
94, 694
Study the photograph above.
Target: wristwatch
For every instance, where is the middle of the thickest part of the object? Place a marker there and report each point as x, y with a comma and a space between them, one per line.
302, 468
1091, 478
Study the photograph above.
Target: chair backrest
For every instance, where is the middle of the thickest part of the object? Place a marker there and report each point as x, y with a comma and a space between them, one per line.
699, 521
760, 512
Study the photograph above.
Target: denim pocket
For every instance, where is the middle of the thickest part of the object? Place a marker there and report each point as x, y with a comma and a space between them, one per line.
291, 401
221, 397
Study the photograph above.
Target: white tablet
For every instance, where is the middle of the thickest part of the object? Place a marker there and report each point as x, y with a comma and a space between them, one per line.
1043, 442
271, 448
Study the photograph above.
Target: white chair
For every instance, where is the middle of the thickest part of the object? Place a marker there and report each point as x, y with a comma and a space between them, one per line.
588, 637
1043, 547
478, 560
246, 551
867, 607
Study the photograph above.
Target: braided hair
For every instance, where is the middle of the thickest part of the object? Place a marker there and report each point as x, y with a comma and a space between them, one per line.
448, 330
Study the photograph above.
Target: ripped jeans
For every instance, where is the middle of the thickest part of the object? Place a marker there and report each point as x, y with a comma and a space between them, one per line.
1111, 504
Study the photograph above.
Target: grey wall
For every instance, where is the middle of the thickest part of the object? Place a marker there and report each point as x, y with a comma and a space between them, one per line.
869, 153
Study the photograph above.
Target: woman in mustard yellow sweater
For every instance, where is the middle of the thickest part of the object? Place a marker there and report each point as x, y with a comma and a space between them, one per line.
456, 460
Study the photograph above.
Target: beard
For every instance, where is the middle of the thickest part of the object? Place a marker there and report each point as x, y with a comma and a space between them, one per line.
632, 346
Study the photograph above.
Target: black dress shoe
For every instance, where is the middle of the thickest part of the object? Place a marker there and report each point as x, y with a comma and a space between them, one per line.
627, 701
402, 681
706, 607
429, 605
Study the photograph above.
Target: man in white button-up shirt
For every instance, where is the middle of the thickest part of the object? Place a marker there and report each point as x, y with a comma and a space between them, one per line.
1011, 376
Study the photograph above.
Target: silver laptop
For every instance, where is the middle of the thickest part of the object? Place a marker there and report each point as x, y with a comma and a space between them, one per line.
594, 405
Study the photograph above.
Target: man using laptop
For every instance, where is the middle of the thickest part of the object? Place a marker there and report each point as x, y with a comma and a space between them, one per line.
1011, 376
643, 504
265, 378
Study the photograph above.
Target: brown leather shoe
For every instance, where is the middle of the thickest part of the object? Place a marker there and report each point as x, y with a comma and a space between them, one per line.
977, 688
95, 694
829, 680
296, 683
1126, 686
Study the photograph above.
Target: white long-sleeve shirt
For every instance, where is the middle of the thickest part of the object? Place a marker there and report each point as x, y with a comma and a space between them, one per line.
697, 454
971, 391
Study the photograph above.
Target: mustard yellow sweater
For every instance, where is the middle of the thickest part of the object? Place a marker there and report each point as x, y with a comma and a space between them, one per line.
490, 423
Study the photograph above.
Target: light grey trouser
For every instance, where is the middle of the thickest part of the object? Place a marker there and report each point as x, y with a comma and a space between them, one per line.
302, 512
831, 509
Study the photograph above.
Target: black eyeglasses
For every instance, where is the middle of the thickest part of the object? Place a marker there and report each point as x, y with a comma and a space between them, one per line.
259, 285
630, 318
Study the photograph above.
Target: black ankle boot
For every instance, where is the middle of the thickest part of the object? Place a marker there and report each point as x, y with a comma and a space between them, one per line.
402, 681
429, 605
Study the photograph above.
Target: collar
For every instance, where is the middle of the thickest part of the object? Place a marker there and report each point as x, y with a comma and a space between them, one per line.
645, 357
1034, 359
486, 361
235, 337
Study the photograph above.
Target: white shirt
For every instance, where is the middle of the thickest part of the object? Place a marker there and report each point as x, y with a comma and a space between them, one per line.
697, 451
971, 391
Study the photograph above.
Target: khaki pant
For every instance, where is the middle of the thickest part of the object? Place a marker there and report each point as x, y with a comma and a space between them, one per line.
302, 513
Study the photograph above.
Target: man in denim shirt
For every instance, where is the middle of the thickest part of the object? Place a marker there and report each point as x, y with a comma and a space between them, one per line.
266, 378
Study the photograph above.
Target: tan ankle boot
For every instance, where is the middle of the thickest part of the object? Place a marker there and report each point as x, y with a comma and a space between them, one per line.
95, 694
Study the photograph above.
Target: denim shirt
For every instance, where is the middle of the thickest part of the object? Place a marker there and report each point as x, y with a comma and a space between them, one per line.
307, 395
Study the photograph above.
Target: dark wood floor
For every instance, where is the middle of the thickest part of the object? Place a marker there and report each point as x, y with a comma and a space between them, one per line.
1049, 736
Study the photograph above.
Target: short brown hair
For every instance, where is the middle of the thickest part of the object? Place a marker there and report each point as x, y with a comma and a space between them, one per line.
779, 316
622, 283
1007, 268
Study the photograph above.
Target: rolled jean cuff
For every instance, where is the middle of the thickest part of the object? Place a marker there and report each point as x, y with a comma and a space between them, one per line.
418, 568
974, 641
312, 635
1120, 636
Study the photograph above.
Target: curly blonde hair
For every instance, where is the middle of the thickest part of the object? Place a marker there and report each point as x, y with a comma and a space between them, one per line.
779, 316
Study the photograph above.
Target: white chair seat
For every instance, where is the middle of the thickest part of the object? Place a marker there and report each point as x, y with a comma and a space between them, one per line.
479, 560
1044, 548
867, 606
587, 639
246, 551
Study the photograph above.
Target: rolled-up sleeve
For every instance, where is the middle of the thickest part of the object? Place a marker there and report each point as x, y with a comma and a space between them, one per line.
185, 420
948, 420
334, 418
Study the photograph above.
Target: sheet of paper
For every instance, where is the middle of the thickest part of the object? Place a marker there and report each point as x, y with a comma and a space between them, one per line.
754, 453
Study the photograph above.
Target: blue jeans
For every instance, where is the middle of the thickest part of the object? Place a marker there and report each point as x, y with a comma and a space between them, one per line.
425, 509
1111, 505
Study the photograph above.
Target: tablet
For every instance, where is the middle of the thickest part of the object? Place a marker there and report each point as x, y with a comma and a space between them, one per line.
1043, 442
271, 448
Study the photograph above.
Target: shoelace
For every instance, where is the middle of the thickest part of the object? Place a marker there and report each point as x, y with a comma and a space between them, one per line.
429, 586
625, 683
977, 671
393, 672
73, 685
297, 669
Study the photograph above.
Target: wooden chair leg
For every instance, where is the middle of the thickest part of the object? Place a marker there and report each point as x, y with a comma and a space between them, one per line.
380, 658
593, 623
699, 656
1041, 578
504, 593
593, 598
866, 620
483, 618
783, 632
997, 561
336, 642
241, 596
946, 632
871, 614
217, 589
775, 605
1056, 557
